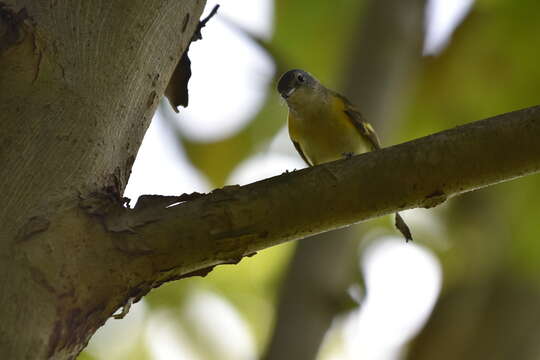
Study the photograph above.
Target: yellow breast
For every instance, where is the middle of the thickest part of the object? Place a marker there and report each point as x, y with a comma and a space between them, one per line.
325, 132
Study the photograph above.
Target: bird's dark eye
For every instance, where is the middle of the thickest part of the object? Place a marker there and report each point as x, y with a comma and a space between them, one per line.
300, 78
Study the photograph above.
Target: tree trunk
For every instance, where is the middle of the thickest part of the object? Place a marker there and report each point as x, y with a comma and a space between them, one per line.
79, 83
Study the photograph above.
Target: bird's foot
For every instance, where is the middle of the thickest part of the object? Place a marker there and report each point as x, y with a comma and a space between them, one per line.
348, 155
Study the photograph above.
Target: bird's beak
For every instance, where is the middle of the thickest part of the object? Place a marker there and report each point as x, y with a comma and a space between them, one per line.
286, 93
286, 85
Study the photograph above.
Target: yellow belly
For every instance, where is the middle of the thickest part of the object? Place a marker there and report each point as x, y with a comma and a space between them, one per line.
325, 135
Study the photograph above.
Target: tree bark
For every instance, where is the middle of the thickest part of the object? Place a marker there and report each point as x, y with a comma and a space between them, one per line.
79, 82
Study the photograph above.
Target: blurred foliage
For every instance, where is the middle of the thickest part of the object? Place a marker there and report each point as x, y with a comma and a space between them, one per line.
85, 355
250, 286
218, 159
490, 67
315, 34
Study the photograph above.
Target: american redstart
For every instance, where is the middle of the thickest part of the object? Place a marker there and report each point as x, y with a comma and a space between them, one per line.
324, 126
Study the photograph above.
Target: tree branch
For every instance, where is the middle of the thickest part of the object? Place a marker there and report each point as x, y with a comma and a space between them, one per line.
235, 221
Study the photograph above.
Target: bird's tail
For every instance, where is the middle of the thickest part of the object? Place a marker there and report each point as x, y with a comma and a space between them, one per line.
403, 228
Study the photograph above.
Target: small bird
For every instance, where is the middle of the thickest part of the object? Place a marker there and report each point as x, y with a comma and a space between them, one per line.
324, 126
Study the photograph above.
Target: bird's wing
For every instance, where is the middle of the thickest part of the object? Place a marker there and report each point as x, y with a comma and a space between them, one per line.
299, 149
364, 128
360, 123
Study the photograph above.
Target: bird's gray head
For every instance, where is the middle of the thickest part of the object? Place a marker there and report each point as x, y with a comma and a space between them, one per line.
297, 85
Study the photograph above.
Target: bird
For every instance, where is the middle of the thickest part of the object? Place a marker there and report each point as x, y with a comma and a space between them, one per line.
324, 125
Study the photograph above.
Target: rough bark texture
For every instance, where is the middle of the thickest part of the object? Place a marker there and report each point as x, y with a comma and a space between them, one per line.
79, 82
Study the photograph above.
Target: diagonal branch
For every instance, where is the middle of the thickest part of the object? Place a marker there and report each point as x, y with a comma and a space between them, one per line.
164, 238
236, 221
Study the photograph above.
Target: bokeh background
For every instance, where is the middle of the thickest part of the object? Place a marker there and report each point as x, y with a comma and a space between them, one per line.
467, 288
